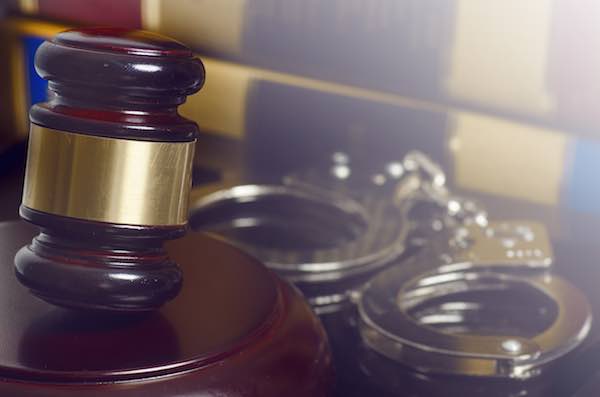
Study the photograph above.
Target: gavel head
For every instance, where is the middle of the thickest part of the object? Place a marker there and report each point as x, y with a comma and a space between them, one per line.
108, 169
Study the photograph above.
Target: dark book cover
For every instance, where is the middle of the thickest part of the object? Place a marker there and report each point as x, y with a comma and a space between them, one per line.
532, 61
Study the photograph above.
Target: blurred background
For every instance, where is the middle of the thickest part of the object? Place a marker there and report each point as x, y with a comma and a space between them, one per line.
504, 95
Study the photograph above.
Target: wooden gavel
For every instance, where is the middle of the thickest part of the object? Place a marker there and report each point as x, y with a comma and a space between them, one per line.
144, 308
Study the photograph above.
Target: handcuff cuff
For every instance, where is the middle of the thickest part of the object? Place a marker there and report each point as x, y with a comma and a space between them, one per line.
417, 267
501, 258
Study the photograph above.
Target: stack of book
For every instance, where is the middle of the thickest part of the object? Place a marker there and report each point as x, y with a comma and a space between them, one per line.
535, 61
502, 94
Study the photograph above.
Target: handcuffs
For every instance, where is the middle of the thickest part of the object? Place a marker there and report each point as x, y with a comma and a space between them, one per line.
421, 266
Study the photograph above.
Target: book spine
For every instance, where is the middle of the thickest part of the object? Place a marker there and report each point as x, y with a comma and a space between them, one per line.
121, 13
22, 85
526, 60
287, 121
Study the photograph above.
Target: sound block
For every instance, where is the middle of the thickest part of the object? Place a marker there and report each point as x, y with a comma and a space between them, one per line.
234, 330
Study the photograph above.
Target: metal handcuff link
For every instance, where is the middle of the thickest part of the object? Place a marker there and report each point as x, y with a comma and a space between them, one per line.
421, 246
405, 311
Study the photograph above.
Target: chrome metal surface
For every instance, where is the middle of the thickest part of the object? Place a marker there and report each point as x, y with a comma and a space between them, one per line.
372, 232
326, 235
420, 314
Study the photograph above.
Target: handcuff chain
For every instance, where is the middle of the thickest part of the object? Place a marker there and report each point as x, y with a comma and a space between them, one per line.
425, 181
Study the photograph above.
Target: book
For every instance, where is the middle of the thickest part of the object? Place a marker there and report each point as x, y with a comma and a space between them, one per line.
122, 13
284, 122
534, 61
220, 107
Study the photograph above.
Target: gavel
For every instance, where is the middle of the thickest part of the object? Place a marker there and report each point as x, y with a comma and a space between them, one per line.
119, 299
